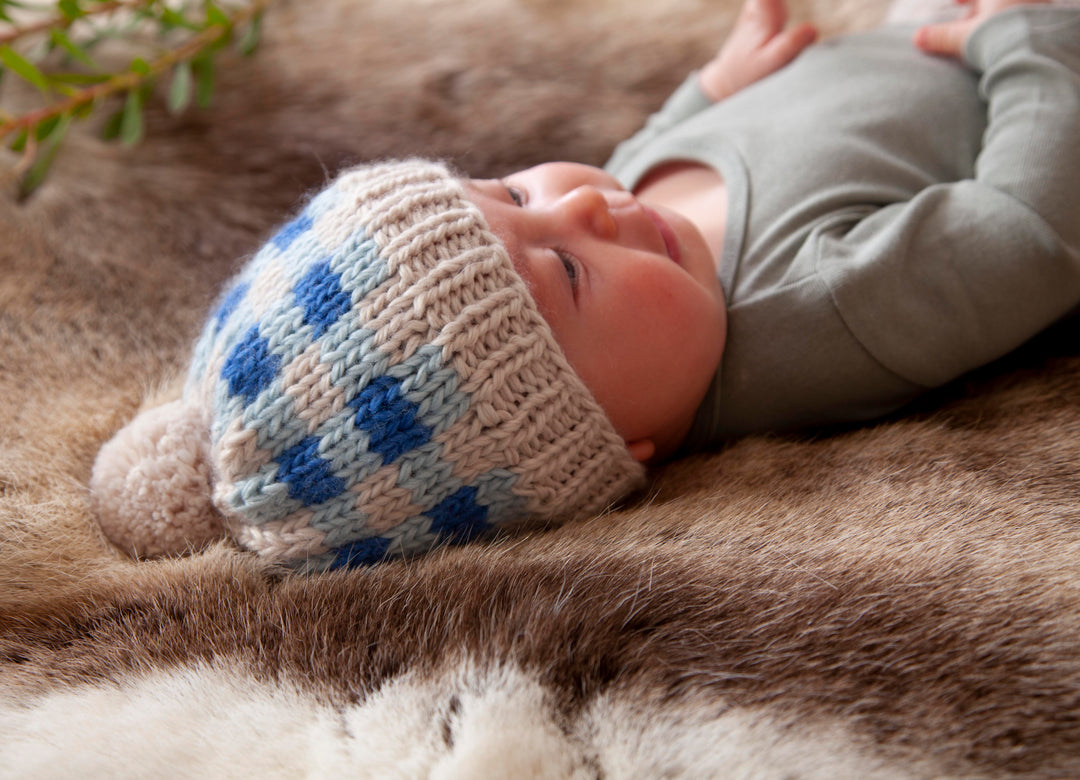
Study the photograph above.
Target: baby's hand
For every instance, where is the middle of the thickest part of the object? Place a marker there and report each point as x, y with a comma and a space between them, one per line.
948, 38
757, 46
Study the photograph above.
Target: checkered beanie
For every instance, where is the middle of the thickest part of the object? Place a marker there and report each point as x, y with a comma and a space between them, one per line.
376, 381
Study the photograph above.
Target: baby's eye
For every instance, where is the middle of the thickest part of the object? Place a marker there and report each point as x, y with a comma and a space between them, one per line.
515, 195
570, 265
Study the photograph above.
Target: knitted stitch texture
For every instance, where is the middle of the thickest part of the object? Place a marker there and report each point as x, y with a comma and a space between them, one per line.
378, 380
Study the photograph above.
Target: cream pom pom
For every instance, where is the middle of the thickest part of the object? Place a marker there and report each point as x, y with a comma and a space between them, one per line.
152, 484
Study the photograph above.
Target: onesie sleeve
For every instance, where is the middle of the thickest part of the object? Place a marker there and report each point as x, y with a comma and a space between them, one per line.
684, 102
966, 271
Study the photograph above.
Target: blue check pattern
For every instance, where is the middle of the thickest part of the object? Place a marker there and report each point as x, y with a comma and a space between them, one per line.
394, 409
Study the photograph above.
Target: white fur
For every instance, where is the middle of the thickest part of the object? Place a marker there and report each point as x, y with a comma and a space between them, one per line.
738, 744
186, 723
202, 722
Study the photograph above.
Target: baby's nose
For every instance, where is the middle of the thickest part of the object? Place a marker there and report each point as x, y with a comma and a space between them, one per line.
588, 204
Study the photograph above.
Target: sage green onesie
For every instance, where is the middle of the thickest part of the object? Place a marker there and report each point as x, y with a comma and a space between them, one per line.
895, 219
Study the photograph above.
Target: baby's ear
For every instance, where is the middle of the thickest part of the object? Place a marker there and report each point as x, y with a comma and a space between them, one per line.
641, 450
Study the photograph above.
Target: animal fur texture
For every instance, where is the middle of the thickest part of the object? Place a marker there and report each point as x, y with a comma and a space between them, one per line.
899, 601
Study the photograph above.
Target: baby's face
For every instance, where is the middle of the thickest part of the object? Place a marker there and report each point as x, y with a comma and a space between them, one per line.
629, 290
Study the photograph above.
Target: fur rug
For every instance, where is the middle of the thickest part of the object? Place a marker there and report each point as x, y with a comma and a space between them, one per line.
891, 602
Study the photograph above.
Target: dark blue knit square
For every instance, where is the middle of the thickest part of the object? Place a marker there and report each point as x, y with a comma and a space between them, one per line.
458, 518
320, 295
250, 366
290, 232
229, 303
389, 419
309, 477
361, 553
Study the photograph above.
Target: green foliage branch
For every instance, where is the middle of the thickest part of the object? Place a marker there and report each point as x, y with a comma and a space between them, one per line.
51, 46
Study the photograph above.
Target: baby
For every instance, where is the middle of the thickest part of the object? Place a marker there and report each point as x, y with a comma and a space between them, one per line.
417, 359
868, 223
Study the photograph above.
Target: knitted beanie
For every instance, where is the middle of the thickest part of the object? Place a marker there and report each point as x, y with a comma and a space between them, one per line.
375, 381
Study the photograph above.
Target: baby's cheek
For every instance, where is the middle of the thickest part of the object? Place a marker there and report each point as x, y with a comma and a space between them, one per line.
668, 300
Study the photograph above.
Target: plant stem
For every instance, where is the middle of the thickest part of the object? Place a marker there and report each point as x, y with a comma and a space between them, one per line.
130, 80
64, 22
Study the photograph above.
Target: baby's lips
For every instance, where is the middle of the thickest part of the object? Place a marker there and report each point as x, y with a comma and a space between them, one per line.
671, 243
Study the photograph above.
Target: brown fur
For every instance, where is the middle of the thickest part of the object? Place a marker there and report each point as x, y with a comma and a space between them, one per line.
915, 581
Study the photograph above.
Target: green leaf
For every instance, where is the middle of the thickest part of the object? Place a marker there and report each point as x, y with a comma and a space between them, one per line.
21, 66
43, 128
111, 129
180, 88
79, 79
131, 125
20, 141
215, 15
140, 66
204, 80
4, 5
70, 9
171, 19
76, 52
35, 175
84, 110
250, 41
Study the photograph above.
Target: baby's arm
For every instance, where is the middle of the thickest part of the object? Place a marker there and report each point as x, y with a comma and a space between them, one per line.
949, 38
758, 45
966, 271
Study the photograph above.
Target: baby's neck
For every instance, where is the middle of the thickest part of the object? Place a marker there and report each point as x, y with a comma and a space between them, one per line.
696, 191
